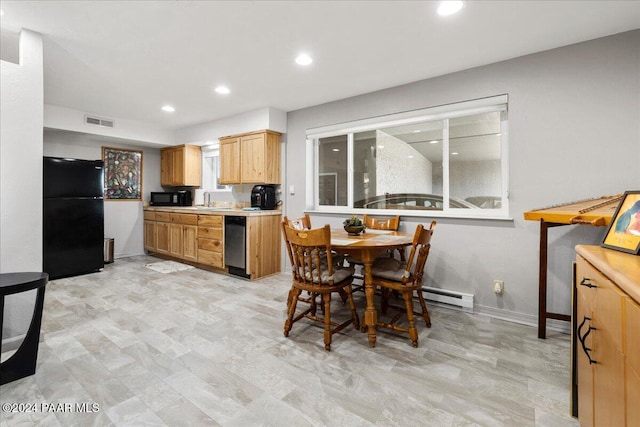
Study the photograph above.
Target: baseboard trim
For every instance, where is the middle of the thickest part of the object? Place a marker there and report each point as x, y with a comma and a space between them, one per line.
521, 318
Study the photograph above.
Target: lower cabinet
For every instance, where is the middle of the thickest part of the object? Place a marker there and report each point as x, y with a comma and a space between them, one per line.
632, 367
211, 240
200, 239
606, 350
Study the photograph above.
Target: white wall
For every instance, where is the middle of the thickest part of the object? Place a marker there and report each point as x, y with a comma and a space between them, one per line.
263, 118
56, 117
21, 118
123, 220
574, 127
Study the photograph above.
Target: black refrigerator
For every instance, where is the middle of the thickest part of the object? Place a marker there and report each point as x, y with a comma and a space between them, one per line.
73, 217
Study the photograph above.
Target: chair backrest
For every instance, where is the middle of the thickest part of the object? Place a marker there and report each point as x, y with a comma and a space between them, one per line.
420, 252
377, 223
311, 259
299, 223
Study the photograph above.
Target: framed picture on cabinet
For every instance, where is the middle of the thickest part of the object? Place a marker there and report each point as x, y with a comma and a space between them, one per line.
122, 174
624, 231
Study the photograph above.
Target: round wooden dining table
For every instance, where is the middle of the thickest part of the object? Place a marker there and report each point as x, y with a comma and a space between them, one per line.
367, 247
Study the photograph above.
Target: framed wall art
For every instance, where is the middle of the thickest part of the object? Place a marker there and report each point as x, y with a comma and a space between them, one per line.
122, 174
624, 231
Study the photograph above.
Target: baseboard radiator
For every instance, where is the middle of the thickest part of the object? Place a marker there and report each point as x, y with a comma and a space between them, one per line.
450, 299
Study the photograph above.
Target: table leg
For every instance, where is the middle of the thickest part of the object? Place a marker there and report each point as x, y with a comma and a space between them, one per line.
370, 314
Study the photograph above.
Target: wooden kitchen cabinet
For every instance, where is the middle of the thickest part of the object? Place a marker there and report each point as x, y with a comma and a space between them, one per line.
181, 166
211, 240
230, 160
150, 231
263, 242
251, 158
607, 345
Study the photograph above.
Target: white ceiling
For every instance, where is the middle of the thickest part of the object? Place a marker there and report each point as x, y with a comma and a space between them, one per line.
125, 59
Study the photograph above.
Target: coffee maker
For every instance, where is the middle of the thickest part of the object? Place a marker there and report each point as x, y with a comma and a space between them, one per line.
263, 196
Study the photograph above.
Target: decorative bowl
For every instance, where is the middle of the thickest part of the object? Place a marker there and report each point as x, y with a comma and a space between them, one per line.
354, 230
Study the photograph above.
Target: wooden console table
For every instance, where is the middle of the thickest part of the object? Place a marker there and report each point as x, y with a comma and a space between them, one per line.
23, 362
595, 212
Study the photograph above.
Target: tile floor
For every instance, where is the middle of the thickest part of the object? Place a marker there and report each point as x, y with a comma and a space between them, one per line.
130, 346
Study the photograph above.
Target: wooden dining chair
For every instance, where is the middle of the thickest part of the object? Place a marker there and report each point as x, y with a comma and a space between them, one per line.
405, 277
315, 271
376, 223
387, 223
301, 223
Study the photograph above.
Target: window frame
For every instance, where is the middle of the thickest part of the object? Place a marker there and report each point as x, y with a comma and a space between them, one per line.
212, 151
444, 112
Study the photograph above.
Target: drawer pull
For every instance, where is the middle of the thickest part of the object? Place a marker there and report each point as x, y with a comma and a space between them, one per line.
582, 339
587, 282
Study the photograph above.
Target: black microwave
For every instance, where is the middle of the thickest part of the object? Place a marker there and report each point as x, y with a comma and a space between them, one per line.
170, 198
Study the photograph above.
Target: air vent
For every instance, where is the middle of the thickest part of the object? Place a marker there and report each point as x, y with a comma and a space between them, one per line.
97, 121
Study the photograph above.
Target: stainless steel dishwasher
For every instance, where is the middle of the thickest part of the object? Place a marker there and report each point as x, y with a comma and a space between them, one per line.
235, 245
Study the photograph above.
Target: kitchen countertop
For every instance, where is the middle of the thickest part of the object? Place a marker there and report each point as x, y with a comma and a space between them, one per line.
201, 210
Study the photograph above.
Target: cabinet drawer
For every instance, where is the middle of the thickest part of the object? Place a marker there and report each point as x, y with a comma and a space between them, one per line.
210, 220
186, 219
163, 216
210, 233
150, 216
213, 245
632, 338
210, 258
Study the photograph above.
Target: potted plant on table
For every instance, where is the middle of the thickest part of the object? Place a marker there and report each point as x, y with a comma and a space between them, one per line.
353, 225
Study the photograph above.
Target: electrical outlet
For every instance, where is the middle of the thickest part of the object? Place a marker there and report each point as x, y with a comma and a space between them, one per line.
498, 287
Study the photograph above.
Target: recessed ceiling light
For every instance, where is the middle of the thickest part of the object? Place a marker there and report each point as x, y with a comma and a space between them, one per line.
455, 153
417, 131
336, 149
168, 108
450, 7
411, 157
435, 141
303, 59
380, 146
222, 90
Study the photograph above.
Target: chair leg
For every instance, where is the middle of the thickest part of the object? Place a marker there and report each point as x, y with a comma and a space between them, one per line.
384, 300
352, 306
343, 295
413, 332
425, 312
327, 321
295, 293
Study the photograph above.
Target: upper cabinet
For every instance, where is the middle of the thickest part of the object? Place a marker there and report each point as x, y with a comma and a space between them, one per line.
181, 166
250, 158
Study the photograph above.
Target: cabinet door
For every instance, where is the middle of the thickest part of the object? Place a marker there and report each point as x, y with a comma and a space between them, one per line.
253, 159
190, 242
166, 159
150, 235
175, 240
230, 161
177, 168
192, 166
162, 237
632, 355
608, 381
584, 368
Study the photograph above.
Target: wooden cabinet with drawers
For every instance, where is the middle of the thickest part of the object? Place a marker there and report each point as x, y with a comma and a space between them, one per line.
607, 340
251, 158
199, 239
181, 166
211, 240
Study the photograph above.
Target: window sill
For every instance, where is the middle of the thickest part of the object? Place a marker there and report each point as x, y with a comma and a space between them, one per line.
412, 213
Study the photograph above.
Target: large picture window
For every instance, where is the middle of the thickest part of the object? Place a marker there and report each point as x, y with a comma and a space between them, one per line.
449, 160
